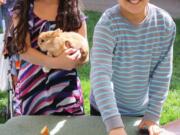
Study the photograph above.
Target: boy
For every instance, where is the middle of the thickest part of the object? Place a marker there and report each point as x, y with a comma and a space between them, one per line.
131, 64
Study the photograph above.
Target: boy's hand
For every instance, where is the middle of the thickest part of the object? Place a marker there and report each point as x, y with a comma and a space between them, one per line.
152, 127
117, 131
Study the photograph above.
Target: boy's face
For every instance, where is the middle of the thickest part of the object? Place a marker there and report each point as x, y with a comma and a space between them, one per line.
133, 6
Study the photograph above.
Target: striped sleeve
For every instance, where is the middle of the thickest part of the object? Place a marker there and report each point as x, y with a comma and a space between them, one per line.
101, 74
160, 80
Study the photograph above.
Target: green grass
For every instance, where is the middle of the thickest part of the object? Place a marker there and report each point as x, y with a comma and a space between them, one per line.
171, 110
84, 71
0, 30
3, 103
175, 84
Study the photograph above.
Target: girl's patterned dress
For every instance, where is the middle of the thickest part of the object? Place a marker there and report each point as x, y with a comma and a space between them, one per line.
57, 92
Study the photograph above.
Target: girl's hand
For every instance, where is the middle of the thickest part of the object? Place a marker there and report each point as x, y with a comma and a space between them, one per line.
152, 127
73, 54
68, 59
117, 131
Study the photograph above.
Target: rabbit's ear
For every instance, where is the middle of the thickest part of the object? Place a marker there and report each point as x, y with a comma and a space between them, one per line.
68, 44
58, 30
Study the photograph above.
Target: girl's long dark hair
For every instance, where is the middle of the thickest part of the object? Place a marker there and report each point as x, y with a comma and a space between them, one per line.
68, 19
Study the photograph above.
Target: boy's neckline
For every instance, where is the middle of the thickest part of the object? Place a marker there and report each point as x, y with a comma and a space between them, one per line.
147, 17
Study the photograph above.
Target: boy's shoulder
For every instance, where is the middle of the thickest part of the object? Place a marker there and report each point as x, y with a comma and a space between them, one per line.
113, 11
162, 14
109, 14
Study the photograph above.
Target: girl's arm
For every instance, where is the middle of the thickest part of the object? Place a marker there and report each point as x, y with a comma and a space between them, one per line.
83, 30
65, 61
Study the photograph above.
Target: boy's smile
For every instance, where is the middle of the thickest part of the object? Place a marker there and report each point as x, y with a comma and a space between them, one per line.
134, 1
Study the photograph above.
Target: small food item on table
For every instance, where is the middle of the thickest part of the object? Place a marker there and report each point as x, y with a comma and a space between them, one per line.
45, 131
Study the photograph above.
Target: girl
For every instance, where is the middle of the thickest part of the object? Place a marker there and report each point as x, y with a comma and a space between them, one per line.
59, 91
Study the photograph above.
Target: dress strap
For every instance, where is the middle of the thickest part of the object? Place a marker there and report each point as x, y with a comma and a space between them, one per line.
30, 15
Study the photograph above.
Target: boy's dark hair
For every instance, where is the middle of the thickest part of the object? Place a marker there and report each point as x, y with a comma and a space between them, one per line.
68, 19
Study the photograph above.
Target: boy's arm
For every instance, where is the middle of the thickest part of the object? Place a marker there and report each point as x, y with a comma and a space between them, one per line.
160, 81
101, 74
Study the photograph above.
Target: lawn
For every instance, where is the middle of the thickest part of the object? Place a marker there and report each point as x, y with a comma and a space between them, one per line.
171, 110
84, 71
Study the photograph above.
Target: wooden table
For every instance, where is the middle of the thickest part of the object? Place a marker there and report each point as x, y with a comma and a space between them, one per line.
63, 125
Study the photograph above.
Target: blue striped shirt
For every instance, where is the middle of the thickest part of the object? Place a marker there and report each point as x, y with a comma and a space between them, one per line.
131, 66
